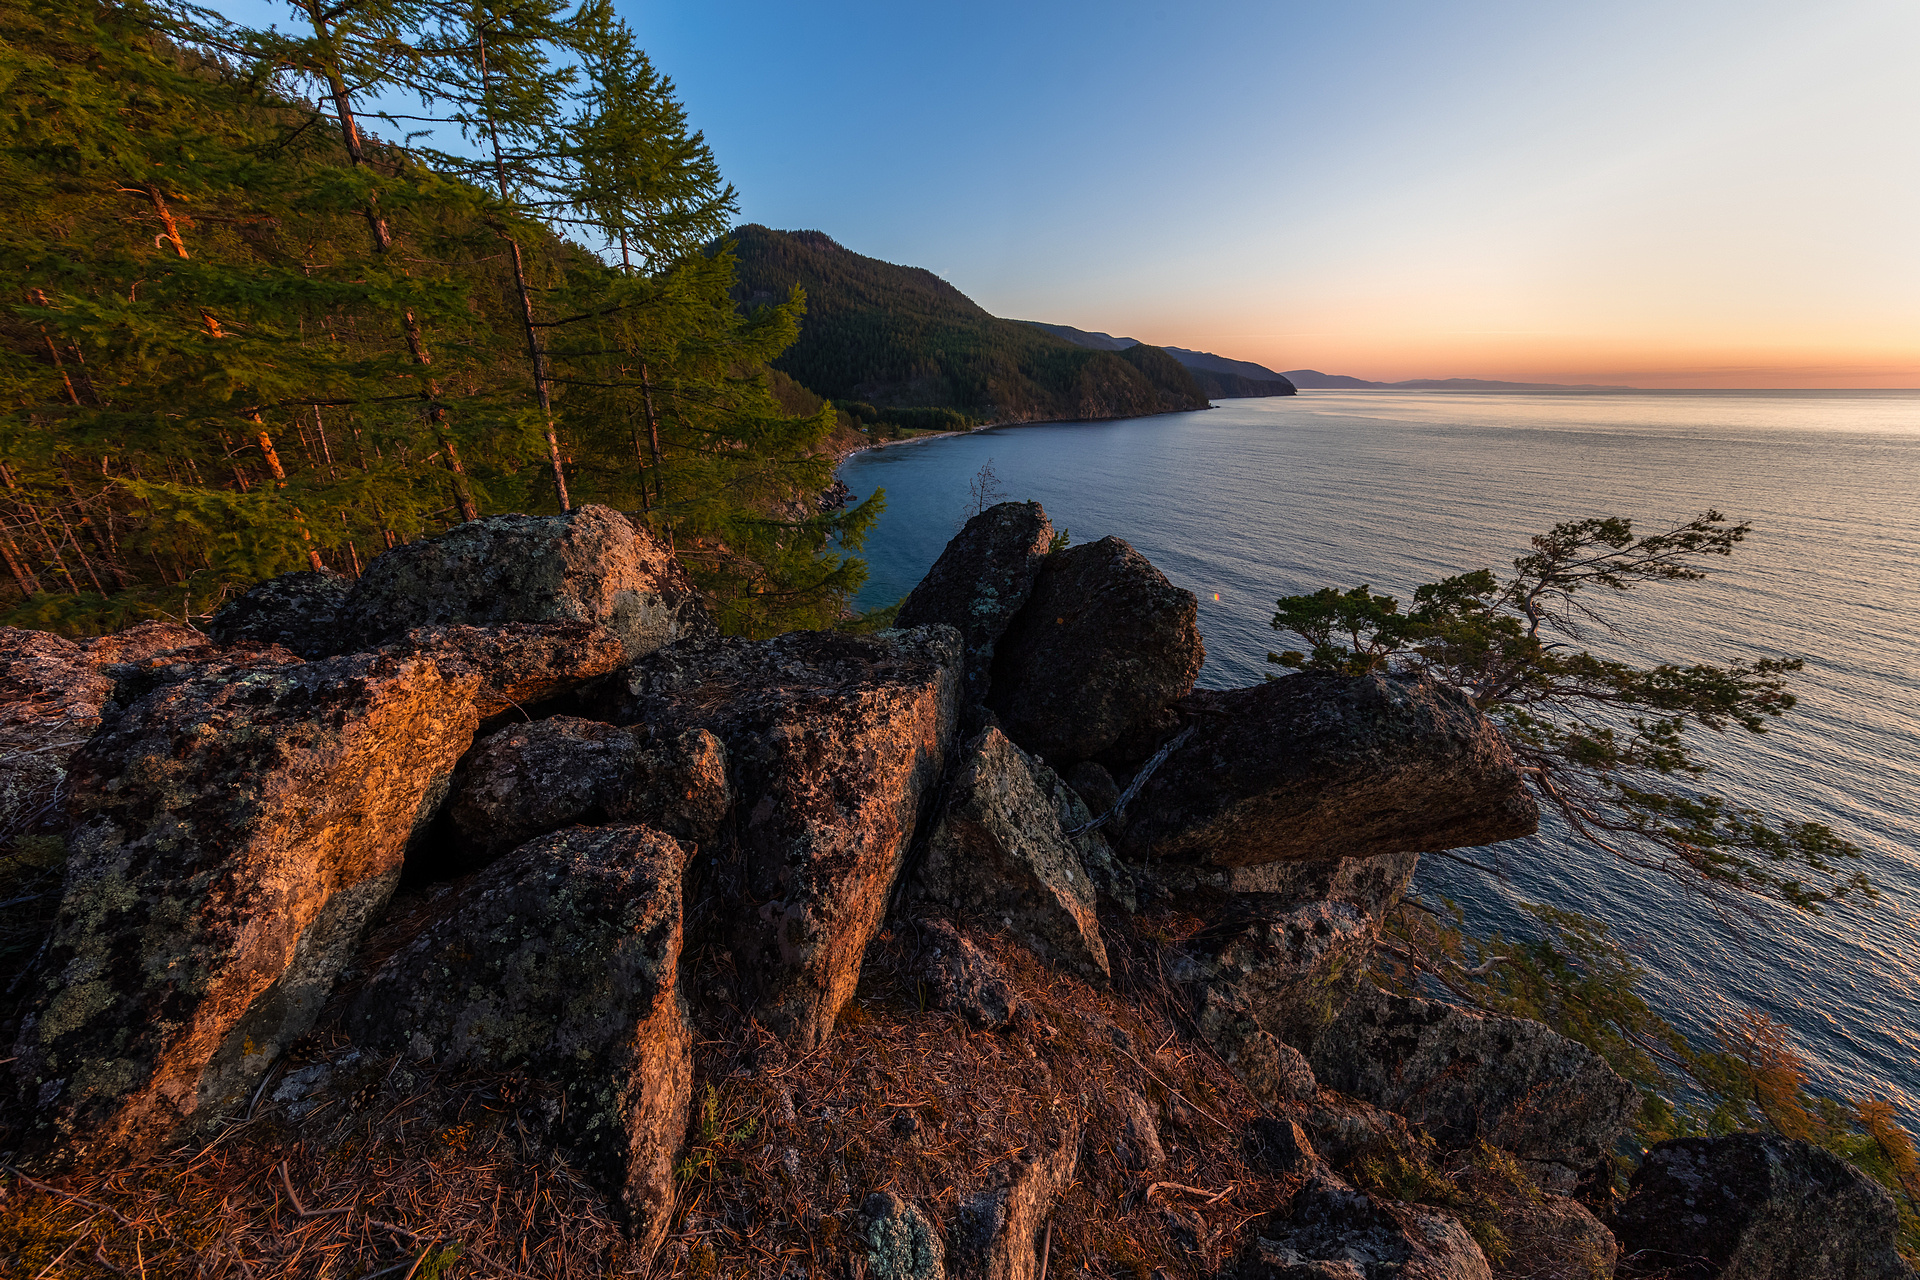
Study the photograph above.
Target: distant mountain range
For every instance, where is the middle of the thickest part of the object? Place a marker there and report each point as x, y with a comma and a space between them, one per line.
1219, 377
877, 335
1314, 380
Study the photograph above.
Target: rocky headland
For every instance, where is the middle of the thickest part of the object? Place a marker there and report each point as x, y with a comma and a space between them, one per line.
491, 914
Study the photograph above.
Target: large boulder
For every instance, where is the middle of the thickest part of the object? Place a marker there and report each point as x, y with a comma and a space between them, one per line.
999, 853
1752, 1206
590, 565
1331, 1232
561, 960
1092, 665
528, 779
51, 694
240, 827
835, 743
1465, 1077
980, 582
300, 611
1317, 767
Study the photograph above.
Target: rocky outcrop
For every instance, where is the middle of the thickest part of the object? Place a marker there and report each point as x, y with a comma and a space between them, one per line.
1092, 665
1755, 1207
1274, 1071
1317, 767
1467, 1077
966, 980
1332, 1232
241, 826
979, 583
591, 565
835, 743
1272, 965
300, 611
562, 959
997, 1234
522, 665
529, 779
999, 853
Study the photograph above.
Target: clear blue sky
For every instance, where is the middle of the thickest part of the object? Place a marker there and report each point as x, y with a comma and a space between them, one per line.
1715, 192
1707, 193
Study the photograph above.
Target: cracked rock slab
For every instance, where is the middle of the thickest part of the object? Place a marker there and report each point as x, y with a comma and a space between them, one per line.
528, 779
561, 959
1313, 767
1465, 1076
241, 825
999, 853
979, 583
835, 744
1091, 667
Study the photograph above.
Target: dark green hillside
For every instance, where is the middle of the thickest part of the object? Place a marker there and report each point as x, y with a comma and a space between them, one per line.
898, 337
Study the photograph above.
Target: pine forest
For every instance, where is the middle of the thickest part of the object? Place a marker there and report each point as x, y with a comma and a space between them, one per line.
264, 319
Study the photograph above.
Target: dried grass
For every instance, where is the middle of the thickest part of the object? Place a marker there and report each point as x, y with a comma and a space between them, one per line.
398, 1168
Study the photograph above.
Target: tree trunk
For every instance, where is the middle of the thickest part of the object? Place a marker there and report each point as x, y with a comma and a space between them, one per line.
653, 435
382, 243
536, 356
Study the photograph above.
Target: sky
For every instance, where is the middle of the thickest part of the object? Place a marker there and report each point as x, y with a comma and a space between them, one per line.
1697, 194
1713, 193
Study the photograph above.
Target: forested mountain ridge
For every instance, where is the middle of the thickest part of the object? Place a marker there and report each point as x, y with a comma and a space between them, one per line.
901, 337
1217, 377
249, 336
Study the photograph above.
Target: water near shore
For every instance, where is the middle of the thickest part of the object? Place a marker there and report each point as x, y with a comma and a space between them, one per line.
1263, 498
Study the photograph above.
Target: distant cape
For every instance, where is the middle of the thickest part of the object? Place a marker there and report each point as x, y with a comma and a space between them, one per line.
1219, 377
1314, 380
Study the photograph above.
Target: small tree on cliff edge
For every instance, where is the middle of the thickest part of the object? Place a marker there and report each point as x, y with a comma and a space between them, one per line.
1602, 742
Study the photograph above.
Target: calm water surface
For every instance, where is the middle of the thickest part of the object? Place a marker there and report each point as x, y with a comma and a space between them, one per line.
1263, 498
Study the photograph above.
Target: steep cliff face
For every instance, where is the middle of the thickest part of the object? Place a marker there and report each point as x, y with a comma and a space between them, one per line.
743, 957
897, 336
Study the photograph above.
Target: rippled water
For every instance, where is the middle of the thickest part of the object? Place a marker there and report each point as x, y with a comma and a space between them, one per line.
1263, 498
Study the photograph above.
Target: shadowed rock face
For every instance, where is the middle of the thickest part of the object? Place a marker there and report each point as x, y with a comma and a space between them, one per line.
241, 826
999, 852
966, 980
1092, 665
1468, 1076
298, 610
1283, 967
838, 740
562, 959
533, 778
1317, 766
1332, 1232
979, 583
590, 565
1755, 1207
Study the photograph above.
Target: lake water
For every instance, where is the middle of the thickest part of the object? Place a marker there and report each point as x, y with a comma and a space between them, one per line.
1258, 499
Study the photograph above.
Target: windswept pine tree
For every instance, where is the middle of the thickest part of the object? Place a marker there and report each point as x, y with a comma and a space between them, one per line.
250, 335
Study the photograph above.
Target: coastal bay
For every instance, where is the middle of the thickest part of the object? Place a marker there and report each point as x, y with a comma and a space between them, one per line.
1259, 499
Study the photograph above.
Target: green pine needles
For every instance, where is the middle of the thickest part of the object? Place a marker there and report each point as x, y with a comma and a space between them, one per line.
250, 336
1605, 744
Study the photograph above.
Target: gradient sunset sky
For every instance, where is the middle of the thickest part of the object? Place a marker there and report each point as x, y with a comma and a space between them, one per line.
1703, 193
